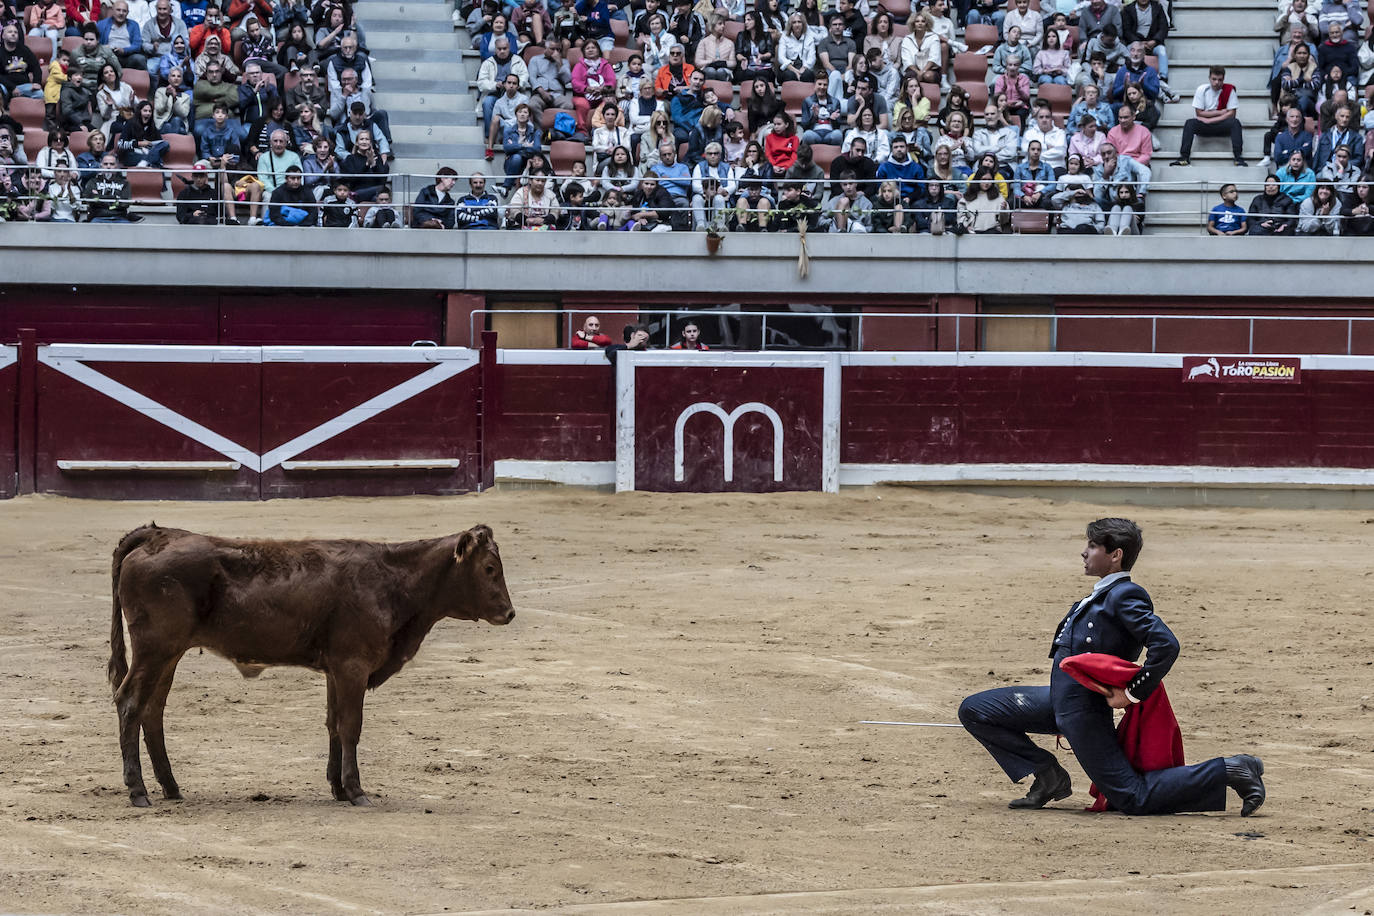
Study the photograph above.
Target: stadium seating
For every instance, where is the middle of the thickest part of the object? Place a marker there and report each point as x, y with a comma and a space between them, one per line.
969, 50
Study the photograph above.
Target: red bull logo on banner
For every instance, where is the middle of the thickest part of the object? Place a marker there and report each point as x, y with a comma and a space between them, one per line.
1242, 369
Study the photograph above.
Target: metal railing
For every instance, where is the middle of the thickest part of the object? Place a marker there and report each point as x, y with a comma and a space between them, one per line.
665, 319
404, 187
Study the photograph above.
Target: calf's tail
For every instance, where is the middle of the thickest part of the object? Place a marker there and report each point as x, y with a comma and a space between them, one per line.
119, 664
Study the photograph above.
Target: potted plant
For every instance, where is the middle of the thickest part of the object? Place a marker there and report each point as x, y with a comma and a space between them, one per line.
715, 233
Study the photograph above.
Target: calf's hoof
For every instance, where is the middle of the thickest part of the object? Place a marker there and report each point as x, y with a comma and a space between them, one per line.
339, 793
361, 801
139, 800
172, 794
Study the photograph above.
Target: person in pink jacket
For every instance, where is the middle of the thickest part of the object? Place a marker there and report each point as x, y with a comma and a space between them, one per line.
592, 79
1131, 139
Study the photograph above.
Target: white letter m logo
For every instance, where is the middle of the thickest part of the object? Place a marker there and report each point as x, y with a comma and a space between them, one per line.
728, 422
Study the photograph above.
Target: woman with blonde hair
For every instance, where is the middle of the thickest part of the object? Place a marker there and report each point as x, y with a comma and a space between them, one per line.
920, 50
660, 129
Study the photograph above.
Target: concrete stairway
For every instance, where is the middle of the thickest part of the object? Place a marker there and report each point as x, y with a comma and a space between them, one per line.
422, 81
1246, 51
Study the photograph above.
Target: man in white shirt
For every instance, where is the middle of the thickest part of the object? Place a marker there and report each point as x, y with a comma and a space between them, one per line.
1214, 108
1054, 143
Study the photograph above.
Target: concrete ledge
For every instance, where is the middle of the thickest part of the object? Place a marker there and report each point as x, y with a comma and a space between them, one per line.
534, 262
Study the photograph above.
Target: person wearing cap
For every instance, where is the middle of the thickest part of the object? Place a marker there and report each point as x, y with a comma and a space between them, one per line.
1116, 618
357, 122
198, 203
292, 203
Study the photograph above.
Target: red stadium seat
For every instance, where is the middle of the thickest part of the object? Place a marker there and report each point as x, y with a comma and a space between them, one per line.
725, 90
41, 48
531, 52
546, 118
79, 143
71, 43
794, 92
618, 56
824, 154
621, 30
29, 112
1030, 222
1059, 97
181, 149
733, 28
980, 34
563, 153
145, 185
977, 95
138, 80
970, 67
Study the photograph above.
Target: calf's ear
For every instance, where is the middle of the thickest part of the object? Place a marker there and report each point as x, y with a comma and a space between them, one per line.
466, 545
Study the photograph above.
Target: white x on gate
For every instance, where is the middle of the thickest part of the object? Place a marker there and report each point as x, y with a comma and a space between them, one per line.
71, 361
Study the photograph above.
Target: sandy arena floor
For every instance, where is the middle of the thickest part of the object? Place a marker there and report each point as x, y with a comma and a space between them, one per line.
671, 723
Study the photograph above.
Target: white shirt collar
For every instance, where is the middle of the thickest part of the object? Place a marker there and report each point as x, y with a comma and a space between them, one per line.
1107, 580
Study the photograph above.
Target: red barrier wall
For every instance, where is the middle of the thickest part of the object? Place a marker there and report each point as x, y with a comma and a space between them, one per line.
556, 412
162, 315
9, 416
1087, 414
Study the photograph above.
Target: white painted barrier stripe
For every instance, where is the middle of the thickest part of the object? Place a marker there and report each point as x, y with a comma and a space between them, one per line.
364, 412
138, 353
9, 355
372, 464
595, 357
1105, 474
151, 409
154, 466
574, 473
1086, 359
602, 473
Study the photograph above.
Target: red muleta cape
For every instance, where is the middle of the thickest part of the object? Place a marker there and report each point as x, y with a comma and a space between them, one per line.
1148, 733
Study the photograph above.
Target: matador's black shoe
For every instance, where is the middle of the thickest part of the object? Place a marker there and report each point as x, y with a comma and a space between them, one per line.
1051, 784
1243, 774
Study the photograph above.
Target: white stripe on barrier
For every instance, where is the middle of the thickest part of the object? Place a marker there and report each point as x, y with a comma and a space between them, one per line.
364, 412
595, 357
602, 473
373, 464
1104, 474
95, 467
9, 355
150, 408
574, 473
137, 353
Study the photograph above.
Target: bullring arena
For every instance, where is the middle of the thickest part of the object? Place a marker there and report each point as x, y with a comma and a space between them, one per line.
671, 724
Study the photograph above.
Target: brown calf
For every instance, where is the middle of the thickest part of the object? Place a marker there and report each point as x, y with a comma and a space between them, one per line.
356, 611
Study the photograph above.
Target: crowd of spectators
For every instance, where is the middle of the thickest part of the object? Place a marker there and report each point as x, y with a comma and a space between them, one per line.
232, 99
673, 115
857, 117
